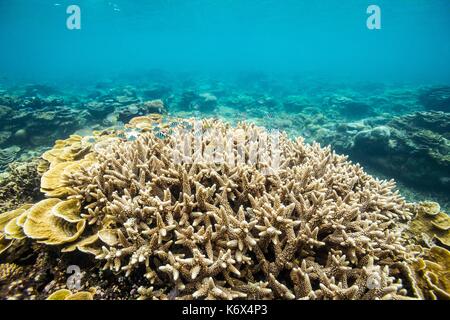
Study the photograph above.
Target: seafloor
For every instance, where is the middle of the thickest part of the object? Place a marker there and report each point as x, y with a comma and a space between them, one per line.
399, 131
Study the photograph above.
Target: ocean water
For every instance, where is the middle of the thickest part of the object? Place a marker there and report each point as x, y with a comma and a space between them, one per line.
313, 69
328, 38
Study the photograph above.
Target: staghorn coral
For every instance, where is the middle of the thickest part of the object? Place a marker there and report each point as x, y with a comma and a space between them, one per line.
320, 228
205, 227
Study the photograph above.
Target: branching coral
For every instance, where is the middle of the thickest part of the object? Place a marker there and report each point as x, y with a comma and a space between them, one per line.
218, 217
318, 228
8, 271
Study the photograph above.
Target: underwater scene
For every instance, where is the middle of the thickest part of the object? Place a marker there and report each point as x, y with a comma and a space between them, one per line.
238, 149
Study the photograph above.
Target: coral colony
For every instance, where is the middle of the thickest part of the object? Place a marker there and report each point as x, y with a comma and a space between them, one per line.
216, 211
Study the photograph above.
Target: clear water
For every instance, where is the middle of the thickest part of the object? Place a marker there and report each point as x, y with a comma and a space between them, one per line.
329, 38
253, 55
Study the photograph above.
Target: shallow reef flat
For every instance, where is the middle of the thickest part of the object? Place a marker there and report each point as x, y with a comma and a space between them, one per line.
198, 188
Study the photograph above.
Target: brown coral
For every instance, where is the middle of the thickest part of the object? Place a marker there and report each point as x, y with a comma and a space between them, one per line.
19, 184
430, 225
9, 271
432, 274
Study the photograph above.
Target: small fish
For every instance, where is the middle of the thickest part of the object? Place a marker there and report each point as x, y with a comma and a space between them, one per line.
131, 138
173, 124
91, 140
161, 135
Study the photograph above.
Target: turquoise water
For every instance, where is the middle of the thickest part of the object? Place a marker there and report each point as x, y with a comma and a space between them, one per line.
313, 69
329, 38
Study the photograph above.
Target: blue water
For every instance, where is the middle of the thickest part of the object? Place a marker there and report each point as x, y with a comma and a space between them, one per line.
310, 68
327, 38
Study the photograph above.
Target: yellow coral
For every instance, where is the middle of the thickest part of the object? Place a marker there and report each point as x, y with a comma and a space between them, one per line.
66, 150
84, 245
432, 273
8, 216
4, 243
10, 227
45, 226
9, 270
429, 207
64, 294
54, 181
429, 222
145, 122
59, 295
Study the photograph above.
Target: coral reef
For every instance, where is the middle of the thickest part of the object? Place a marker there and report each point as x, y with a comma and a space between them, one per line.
320, 228
8, 155
161, 208
414, 148
432, 273
19, 184
431, 226
436, 98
